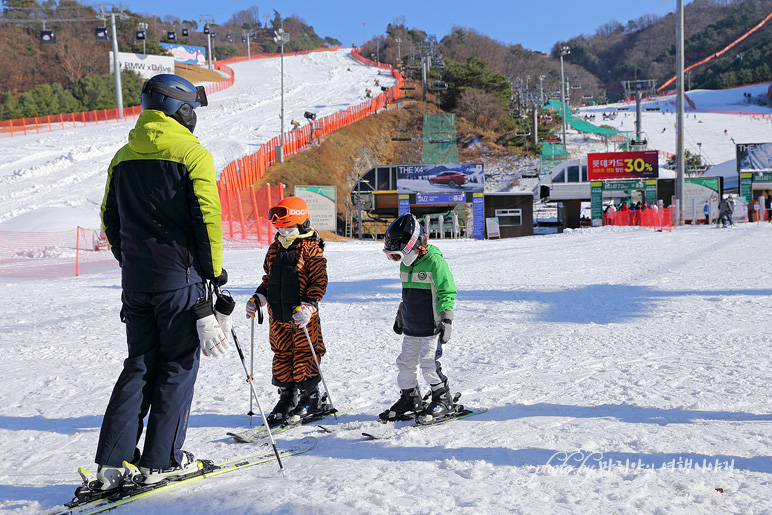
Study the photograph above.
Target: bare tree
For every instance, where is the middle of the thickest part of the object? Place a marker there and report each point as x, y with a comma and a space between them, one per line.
171, 20
248, 18
482, 109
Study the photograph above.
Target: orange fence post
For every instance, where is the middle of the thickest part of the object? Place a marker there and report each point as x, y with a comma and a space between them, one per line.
225, 196
241, 215
256, 214
268, 196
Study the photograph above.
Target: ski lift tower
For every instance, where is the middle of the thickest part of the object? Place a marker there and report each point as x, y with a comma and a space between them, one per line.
639, 88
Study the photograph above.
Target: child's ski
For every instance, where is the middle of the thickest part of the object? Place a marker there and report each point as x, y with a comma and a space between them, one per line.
391, 432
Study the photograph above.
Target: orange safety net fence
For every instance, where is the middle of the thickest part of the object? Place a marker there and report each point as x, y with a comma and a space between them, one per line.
53, 254
245, 215
241, 201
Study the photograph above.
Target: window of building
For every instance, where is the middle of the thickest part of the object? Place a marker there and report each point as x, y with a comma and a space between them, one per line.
509, 217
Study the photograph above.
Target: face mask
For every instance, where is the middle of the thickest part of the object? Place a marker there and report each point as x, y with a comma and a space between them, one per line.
288, 231
409, 258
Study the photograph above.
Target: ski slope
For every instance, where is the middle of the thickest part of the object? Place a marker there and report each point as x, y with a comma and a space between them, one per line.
624, 370
713, 122
39, 173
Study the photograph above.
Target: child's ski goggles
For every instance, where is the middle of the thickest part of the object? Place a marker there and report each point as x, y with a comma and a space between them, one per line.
394, 255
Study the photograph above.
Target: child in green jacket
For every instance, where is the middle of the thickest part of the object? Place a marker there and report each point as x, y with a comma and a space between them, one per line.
426, 310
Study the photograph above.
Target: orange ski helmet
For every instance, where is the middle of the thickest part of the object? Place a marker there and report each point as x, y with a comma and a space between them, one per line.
290, 211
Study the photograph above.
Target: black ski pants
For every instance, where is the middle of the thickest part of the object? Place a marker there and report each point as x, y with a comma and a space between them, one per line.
157, 378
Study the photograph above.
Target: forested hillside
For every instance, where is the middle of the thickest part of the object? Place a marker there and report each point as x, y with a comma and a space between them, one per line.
644, 48
73, 73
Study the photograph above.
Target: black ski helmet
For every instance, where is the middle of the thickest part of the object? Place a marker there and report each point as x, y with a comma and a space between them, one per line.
403, 235
175, 96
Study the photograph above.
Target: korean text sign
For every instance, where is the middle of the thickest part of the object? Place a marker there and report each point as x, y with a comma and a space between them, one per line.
623, 165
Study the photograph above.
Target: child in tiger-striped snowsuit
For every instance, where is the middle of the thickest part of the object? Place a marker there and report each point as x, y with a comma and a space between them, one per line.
295, 281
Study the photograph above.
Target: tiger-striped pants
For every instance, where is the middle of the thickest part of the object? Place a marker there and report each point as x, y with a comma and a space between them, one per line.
292, 358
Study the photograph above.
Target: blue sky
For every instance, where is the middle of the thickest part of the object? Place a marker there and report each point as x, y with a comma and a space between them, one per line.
536, 25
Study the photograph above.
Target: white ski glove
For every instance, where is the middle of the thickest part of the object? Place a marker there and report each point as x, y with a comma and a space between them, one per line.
302, 314
210, 335
252, 304
222, 312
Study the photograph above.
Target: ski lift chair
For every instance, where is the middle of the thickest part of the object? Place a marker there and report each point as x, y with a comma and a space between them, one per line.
401, 135
438, 85
441, 137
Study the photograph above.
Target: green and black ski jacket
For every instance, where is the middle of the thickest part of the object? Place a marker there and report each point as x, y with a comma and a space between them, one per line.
427, 290
161, 210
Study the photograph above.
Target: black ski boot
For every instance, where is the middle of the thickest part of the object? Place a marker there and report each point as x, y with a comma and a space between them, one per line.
440, 406
409, 402
311, 403
288, 399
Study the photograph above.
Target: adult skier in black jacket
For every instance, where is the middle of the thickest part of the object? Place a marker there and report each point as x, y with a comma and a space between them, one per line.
161, 215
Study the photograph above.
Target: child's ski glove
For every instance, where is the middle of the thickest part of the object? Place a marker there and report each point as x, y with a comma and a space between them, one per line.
252, 303
302, 314
398, 320
210, 334
446, 324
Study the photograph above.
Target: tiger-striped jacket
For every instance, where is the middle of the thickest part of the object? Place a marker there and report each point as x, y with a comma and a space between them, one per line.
293, 275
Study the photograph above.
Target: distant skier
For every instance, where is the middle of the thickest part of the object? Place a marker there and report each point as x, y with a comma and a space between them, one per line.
706, 212
295, 281
161, 215
426, 310
725, 212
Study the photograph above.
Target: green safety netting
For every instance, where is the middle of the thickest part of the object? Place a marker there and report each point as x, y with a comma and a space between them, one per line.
553, 149
554, 153
581, 125
439, 145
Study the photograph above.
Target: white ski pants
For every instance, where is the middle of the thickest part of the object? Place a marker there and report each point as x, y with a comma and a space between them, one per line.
423, 351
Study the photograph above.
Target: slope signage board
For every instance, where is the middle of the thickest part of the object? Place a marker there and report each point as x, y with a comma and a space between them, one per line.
322, 206
186, 54
143, 65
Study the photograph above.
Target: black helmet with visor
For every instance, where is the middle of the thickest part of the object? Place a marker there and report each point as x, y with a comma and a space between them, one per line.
404, 235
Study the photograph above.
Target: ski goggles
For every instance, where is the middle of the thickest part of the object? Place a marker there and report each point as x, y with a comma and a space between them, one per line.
281, 214
394, 255
199, 96
277, 214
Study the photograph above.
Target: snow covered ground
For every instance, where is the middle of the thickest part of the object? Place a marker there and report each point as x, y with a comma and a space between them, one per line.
624, 370
615, 365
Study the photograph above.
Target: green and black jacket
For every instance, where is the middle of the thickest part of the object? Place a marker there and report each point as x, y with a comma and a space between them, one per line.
427, 290
161, 210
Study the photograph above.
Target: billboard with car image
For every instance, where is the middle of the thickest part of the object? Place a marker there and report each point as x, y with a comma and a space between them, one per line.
440, 178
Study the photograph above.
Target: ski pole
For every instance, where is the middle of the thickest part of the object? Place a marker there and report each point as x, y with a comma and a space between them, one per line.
252, 350
252, 368
313, 353
254, 394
